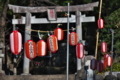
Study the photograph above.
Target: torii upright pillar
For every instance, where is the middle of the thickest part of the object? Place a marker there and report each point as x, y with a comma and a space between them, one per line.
27, 37
79, 32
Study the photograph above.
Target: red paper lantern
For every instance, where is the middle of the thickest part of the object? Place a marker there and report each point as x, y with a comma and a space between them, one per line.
108, 61
106, 55
93, 64
59, 33
80, 50
100, 23
104, 47
15, 42
104, 64
41, 48
100, 66
52, 43
73, 38
30, 49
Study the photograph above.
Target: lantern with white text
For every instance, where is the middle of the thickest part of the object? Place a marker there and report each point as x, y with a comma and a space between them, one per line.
73, 38
80, 50
52, 43
93, 64
41, 48
100, 23
108, 61
100, 66
15, 42
59, 33
30, 49
104, 47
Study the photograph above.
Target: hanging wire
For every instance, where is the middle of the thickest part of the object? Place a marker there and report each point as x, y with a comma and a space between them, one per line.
39, 34
28, 33
42, 31
48, 33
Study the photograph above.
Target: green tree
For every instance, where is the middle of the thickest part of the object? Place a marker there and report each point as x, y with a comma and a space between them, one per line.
112, 22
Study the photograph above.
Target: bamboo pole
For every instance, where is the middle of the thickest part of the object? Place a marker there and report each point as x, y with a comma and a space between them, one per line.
97, 35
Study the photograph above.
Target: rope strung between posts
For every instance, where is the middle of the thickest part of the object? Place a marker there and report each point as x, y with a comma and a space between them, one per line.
47, 30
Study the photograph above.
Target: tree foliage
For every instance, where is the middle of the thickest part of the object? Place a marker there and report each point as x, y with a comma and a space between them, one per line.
112, 22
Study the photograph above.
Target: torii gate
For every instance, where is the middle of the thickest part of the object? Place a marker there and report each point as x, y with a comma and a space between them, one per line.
32, 20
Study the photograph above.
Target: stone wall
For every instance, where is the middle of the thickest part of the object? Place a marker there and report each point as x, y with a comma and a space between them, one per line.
36, 77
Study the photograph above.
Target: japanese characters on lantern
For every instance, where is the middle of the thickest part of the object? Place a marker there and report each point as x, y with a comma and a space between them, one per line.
30, 49
52, 43
73, 38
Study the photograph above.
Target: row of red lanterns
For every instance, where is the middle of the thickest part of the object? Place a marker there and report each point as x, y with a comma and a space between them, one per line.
40, 49
102, 64
73, 36
16, 43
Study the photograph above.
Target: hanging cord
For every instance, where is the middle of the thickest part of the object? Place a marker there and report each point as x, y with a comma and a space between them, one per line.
39, 34
48, 33
43, 31
59, 25
73, 29
28, 33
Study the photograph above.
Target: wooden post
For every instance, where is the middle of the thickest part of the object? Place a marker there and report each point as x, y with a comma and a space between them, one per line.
27, 37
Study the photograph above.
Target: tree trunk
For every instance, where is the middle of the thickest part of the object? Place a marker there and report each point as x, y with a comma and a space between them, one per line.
2, 33
2, 24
